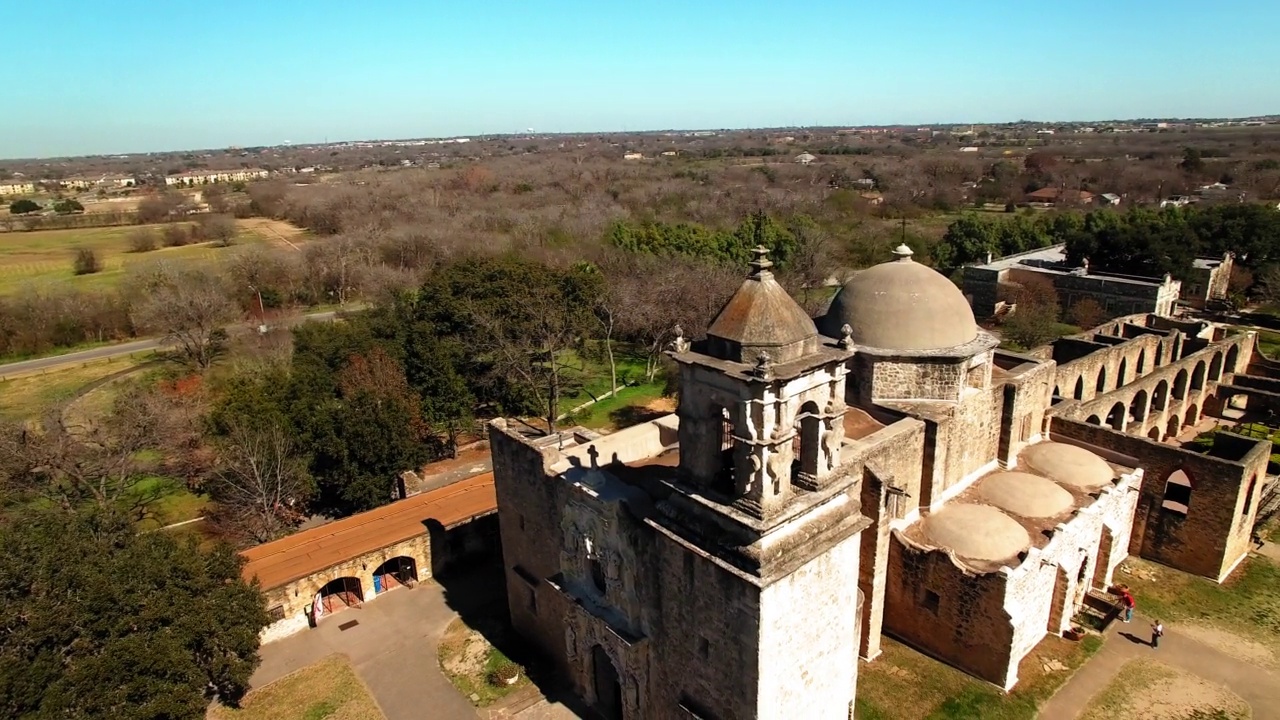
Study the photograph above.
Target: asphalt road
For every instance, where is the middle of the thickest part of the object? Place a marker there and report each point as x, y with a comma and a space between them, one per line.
108, 351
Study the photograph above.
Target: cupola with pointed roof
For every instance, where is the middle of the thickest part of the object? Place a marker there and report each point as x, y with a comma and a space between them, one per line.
761, 317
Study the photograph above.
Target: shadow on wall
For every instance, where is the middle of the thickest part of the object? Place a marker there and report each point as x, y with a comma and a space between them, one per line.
477, 591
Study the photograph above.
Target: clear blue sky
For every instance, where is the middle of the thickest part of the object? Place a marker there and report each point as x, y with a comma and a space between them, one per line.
129, 75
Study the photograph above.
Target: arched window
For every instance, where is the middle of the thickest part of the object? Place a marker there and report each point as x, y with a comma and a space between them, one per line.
1079, 393
1101, 385
1177, 492
1094, 420
1233, 358
806, 445
1124, 369
1173, 426
1180, 385
1215, 368
1142, 362
724, 478
1160, 395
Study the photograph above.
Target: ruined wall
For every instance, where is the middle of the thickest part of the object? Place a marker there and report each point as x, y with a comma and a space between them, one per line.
1025, 398
291, 601
948, 612
1212, 536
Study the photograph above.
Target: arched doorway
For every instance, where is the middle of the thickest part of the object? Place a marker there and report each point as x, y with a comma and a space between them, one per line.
1094, 420
1057, 392
1124, 370
1103, 559
1154, 434
1079, 393
1180, 385
1059, 607
1215, 367
1116, 417
394, 573
1101, 385
1173, 427
1138, 406
337, 595
1233, 357
1197, 376
1160, 395
1175, 353
1193, 415
1142, 363
607, 685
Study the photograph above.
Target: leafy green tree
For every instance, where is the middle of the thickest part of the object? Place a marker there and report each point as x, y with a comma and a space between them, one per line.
1192, 160
23, 206
97, 620
67, 206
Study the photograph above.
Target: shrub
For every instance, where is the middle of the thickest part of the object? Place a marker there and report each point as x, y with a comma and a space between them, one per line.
504, 674
142, 240
176, 235
218, 228
86, 262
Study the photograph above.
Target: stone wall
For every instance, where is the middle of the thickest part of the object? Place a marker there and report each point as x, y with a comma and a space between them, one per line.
911, 379
1212, 536
291, 601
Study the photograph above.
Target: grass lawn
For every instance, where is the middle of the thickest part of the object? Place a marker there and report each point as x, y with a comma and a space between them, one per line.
168, 501
626, 408
44, 256
1248, 604
903, 683
33, 395
1269, 344
327, 690
1148, 689
470, 661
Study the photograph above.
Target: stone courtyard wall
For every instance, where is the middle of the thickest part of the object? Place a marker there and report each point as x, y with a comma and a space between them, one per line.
1213, 536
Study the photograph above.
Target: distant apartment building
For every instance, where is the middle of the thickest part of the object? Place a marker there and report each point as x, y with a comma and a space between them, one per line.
207, 177
104, 181
16, 187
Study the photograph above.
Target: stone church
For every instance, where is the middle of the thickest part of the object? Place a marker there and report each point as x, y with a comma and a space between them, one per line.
881, 470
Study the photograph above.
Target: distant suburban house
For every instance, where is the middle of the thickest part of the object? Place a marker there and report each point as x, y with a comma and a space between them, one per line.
805, 158
872, 197
1052, 195
17, 187
1177, 201
633, 156
1109, 199
208, 177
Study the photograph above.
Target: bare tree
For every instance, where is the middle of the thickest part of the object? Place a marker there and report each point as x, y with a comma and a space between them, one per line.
190, 310
221, 229
260, 483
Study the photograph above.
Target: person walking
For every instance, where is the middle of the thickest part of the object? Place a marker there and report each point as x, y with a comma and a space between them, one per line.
1157, 632
1129, 604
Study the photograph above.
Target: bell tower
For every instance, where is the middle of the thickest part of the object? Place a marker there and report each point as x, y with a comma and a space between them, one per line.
761, 399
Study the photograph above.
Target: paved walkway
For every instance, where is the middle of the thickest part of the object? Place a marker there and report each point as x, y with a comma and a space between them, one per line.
1259, 686
393, 649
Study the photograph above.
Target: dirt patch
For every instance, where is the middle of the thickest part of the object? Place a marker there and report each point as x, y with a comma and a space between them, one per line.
1151, 690
1229, 643
475, 666
662, 405
468, 651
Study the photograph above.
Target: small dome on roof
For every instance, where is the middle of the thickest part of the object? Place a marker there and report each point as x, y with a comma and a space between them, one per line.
976, 532
1030, 496
761, 317
1069, 464
901, 305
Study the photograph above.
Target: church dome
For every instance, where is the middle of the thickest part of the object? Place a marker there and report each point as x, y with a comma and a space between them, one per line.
901, 305
1069, 464
976, 532
1030, 496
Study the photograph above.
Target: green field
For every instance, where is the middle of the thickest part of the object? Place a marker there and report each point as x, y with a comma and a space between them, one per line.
44, 257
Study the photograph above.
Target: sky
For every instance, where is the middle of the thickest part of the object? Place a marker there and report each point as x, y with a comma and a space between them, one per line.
95, 77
